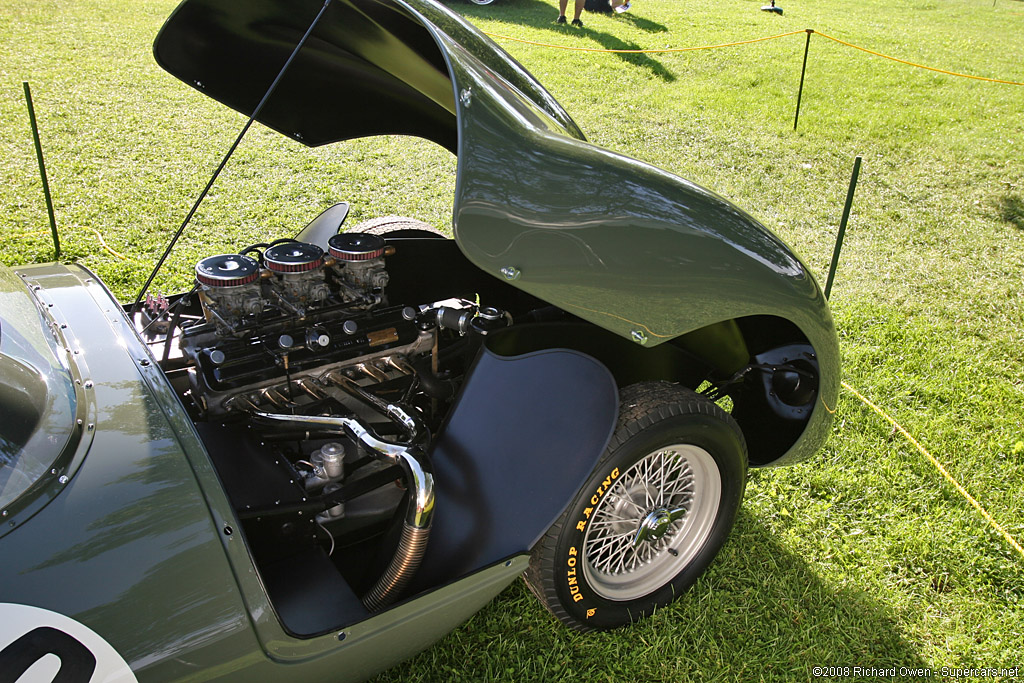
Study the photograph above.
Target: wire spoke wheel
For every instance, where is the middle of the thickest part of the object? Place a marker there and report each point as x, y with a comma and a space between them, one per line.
672, 494
652, 515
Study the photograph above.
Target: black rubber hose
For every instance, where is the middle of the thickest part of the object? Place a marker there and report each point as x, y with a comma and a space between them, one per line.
434, 386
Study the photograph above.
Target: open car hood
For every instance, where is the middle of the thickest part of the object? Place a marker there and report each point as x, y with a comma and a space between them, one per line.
643, 253
369, 68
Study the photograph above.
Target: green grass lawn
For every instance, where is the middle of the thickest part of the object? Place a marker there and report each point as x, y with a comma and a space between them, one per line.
864, 556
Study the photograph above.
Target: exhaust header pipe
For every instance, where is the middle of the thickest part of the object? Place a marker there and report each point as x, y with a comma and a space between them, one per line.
412, 458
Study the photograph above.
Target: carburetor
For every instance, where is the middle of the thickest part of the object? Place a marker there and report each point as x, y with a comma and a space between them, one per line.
296, 275
292, 278
359, 260
229, 289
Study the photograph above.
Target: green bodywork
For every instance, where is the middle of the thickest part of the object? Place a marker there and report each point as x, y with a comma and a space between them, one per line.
636, 250
132, 508
136, 546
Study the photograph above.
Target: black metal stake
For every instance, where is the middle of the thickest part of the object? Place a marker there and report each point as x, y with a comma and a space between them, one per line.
803, 70
842, 227
42, 170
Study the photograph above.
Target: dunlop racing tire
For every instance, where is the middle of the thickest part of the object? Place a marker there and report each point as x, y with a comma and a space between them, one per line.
651, 517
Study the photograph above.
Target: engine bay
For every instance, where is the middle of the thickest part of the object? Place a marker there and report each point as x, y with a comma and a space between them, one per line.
295, 326
317, 397
323, 381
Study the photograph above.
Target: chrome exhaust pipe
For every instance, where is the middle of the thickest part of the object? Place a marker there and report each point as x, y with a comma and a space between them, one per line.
412, 458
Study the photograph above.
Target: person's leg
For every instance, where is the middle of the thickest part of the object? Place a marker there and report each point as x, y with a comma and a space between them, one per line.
562, 4
578, 10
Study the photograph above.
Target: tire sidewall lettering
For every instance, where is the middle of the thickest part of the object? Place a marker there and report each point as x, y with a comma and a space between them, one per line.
573, 576
603, 487
578, 598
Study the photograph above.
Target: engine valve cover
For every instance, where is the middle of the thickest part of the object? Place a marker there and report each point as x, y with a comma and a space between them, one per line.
262, 357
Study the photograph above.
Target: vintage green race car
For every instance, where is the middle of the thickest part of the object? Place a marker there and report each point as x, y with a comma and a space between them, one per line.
335, 448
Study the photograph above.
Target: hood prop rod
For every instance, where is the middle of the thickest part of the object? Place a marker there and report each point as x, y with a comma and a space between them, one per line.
202, 195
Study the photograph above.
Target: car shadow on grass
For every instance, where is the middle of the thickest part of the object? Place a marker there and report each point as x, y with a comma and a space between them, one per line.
760, 613
541, 15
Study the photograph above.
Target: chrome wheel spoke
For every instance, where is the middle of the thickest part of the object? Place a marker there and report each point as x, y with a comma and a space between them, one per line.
652, 522
628, 501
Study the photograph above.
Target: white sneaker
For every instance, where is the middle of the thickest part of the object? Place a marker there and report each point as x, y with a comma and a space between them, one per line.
623, 7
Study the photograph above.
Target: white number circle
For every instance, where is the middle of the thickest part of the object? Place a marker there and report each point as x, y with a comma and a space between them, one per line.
36, 645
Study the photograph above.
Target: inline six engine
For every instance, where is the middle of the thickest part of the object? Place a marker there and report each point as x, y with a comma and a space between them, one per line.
316, 398
287, 324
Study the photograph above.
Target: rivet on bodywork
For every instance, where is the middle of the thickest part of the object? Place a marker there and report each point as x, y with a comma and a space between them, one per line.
639, 336
63, 479
466, 97
88, 384
341, 636
4, 513
511, 273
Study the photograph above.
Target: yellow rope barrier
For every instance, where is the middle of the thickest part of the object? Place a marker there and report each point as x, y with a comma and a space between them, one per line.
103, 243
748, 42
919, 66
666, 49
942, 470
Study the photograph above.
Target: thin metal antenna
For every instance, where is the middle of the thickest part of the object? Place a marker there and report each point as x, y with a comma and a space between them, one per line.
231, 151
42, 170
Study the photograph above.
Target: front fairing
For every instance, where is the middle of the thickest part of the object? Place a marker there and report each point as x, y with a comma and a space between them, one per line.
630, 247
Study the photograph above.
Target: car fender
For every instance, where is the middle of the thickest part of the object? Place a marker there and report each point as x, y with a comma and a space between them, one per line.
622, 244
630, 247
